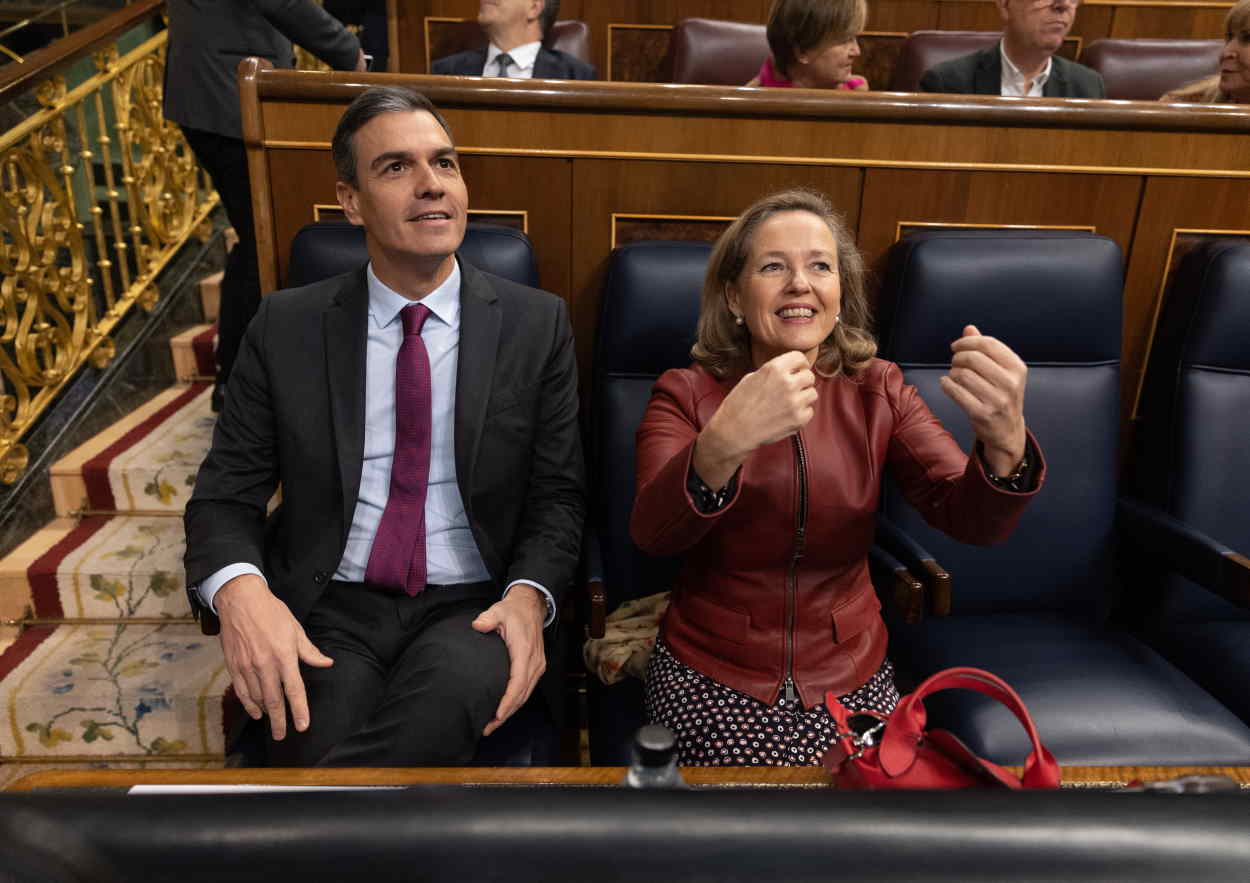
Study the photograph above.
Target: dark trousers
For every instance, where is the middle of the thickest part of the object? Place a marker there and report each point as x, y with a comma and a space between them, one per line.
413, 684
226, 163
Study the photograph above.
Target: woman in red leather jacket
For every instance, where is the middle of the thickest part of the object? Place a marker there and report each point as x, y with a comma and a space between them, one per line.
761, 466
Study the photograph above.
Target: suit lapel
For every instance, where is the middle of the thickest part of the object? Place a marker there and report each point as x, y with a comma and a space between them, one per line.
988, 78
1055, 87
345, 333
475, 368
545, 66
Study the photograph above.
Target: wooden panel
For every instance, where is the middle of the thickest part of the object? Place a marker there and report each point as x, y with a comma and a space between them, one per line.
903, 15
1200, 23
880, 54
408, 51
1169, 205
447, 36
1093, 23
639, 53
603, 188
968, 15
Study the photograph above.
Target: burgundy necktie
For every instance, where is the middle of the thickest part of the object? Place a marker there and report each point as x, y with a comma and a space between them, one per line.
398, 557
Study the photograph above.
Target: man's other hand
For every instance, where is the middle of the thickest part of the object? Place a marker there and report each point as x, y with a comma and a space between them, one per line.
264, 646
519, 620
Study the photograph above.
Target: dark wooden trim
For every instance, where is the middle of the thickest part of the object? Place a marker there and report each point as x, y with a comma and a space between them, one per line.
249, 73
735, 101
39, 65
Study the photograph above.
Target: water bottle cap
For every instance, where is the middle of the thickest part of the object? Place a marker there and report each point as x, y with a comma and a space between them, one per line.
655, 745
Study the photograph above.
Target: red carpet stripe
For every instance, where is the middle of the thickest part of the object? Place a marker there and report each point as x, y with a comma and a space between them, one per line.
42, 572
95, 472
25, 645
205, 357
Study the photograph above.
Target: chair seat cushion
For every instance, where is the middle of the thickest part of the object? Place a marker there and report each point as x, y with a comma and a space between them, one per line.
1098, 697
1215, 654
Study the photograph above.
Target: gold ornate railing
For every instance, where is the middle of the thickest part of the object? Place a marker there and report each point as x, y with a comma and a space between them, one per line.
97, 194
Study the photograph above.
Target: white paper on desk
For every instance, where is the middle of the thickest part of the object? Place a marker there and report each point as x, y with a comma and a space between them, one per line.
250, 789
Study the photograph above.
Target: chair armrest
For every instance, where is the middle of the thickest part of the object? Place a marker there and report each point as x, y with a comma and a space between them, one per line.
596, 595
937, 580
899, 591
1185, 550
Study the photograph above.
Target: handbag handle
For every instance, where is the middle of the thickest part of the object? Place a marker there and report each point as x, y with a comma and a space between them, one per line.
907, 724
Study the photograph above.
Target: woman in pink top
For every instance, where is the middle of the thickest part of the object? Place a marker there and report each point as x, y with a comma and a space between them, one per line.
813, 44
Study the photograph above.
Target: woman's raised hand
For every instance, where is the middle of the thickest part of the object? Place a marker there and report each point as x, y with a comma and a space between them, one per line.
987, 380
770, 403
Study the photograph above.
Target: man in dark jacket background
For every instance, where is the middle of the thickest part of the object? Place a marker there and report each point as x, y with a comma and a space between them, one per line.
516, 29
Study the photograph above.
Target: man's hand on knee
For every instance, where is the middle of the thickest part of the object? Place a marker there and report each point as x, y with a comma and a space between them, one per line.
519, 620
263, 645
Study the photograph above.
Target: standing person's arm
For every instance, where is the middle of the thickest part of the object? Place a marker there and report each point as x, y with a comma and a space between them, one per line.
308, 25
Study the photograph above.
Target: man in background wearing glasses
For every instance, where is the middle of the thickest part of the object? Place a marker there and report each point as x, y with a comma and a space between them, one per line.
1023, 62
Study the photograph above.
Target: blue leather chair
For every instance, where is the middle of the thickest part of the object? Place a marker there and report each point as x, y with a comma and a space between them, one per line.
328, 248
1191, 489
646, 326
1034, 609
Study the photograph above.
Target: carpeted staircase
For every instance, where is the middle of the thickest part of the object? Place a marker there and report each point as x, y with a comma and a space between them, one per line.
114, 671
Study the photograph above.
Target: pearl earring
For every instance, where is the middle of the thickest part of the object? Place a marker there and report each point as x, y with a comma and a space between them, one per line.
738, 320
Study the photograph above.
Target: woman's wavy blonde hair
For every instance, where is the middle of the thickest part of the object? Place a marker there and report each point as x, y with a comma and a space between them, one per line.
1207, 90
724, 347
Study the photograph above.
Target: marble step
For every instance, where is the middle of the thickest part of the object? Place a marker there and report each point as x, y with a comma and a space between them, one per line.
102, 567
144, 463
108, 691
193, 352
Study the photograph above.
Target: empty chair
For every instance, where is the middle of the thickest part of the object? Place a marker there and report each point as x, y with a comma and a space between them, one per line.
717, 53
1191, 487
923, 49
1034, 609
1144, 70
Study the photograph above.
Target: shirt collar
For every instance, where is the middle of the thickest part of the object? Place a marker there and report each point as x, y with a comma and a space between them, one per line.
443, 302
523, 56
1012, 73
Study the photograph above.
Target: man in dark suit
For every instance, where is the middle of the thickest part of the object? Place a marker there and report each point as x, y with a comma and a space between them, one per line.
1024, 62
420, 417
207, 40
516, 29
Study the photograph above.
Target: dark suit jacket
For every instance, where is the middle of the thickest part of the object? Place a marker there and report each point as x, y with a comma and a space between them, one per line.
208, 39
295, 415
551, 64
981, 73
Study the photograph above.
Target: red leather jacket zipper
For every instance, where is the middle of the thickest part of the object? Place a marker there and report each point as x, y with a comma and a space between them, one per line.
800, 544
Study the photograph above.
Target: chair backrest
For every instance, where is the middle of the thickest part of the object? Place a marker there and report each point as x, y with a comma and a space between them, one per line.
717, 53
328, 248
571, 37
1195, 413
649, 312
923, 49
1143, 70
1055, 298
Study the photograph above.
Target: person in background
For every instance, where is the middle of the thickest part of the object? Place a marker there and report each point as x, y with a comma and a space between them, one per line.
1023, 62
207, 40
370, 17
814, 44
516, 30
1232, 84
761, 465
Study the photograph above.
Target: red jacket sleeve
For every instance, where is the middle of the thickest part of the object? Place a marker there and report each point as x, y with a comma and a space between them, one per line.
948, 487
665, 520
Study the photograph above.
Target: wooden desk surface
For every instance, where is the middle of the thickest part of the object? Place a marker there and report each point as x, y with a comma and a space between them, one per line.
767, 777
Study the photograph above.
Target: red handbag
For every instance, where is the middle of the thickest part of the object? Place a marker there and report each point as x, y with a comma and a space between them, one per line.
874, 752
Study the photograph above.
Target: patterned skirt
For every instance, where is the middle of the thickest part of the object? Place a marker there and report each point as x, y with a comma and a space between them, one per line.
716, 725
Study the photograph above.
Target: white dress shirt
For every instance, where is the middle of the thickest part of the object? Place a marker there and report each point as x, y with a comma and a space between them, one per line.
1013, 78
452, 555
523, 58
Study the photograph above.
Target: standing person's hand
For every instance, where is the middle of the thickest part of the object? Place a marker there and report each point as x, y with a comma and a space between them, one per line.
770, 403
264, 645
987, 380
362, 63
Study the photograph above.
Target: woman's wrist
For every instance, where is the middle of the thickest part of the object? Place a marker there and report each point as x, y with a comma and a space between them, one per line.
714, 460
1003, 459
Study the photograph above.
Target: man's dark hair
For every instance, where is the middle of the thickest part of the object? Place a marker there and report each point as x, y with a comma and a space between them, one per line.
546, 18
373, 102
